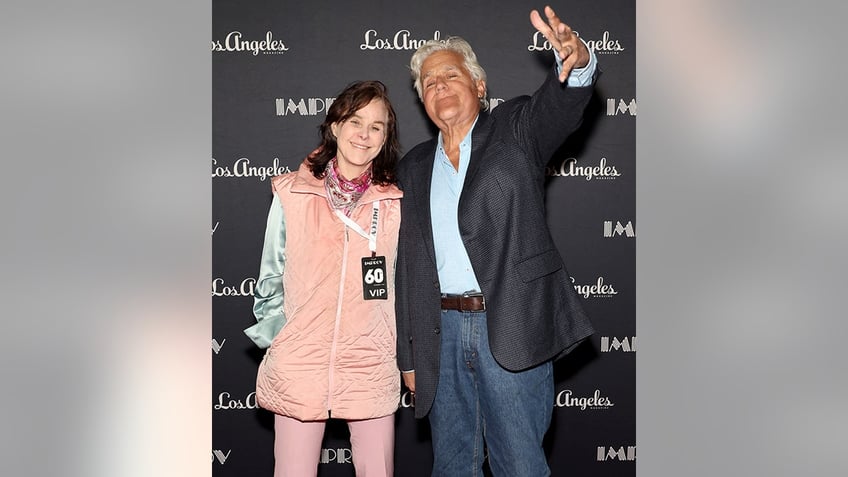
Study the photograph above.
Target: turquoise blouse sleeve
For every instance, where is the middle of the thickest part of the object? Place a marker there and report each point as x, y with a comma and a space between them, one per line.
268, 293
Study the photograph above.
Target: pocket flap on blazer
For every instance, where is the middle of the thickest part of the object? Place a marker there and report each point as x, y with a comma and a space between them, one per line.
539, 266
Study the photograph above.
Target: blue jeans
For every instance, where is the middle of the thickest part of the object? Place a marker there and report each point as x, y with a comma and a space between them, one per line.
477, 399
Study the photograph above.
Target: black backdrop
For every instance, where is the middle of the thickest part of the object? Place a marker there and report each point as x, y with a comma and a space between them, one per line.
277, 66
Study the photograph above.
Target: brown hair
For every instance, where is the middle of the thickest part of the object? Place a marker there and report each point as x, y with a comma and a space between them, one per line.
354, 97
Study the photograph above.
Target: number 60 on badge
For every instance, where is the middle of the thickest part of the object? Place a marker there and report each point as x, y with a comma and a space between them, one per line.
374, 286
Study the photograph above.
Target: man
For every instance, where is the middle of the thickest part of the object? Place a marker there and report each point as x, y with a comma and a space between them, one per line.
484, 302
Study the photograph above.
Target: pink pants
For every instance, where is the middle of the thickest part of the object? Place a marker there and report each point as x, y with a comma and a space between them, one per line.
297, 446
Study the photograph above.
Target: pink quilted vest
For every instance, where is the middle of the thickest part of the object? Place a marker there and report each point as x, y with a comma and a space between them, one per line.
336, 355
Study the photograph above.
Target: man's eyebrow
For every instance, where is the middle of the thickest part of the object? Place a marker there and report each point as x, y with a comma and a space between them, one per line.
443, 67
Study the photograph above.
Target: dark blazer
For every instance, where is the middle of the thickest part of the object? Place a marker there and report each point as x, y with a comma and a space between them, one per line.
532, 310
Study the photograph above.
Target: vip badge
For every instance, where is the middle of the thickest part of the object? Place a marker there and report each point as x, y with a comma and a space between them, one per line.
374, 285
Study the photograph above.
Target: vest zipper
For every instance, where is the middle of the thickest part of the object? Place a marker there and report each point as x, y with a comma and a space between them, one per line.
338, 321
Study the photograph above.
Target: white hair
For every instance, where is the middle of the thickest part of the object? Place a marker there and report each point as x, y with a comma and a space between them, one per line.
455, 44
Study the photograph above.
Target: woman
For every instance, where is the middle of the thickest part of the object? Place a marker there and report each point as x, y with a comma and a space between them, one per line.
324, 299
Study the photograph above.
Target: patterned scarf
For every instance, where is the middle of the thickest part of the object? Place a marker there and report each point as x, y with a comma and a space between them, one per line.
343, 194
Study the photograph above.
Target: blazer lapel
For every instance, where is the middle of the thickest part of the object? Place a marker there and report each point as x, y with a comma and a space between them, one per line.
478, 143
422, 177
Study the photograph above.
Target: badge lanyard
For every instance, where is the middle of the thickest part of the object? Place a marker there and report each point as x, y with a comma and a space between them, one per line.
372, 237
374, 286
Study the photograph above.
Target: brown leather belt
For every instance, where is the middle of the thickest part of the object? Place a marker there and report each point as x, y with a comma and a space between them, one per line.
464, 302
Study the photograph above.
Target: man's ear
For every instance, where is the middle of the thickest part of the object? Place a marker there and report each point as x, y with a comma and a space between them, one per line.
481, 89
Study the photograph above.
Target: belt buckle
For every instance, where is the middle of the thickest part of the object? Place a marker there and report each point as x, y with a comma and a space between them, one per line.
469, 295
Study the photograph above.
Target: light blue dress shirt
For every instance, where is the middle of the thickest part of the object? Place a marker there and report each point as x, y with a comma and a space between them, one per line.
456, 275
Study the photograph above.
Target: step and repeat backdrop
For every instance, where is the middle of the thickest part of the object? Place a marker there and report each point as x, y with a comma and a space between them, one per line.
276, 68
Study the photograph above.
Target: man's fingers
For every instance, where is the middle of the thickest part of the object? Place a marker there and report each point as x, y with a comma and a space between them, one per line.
545, 29
553, 19
563, 30
567, 66
560, 36
540, 24
409, 381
